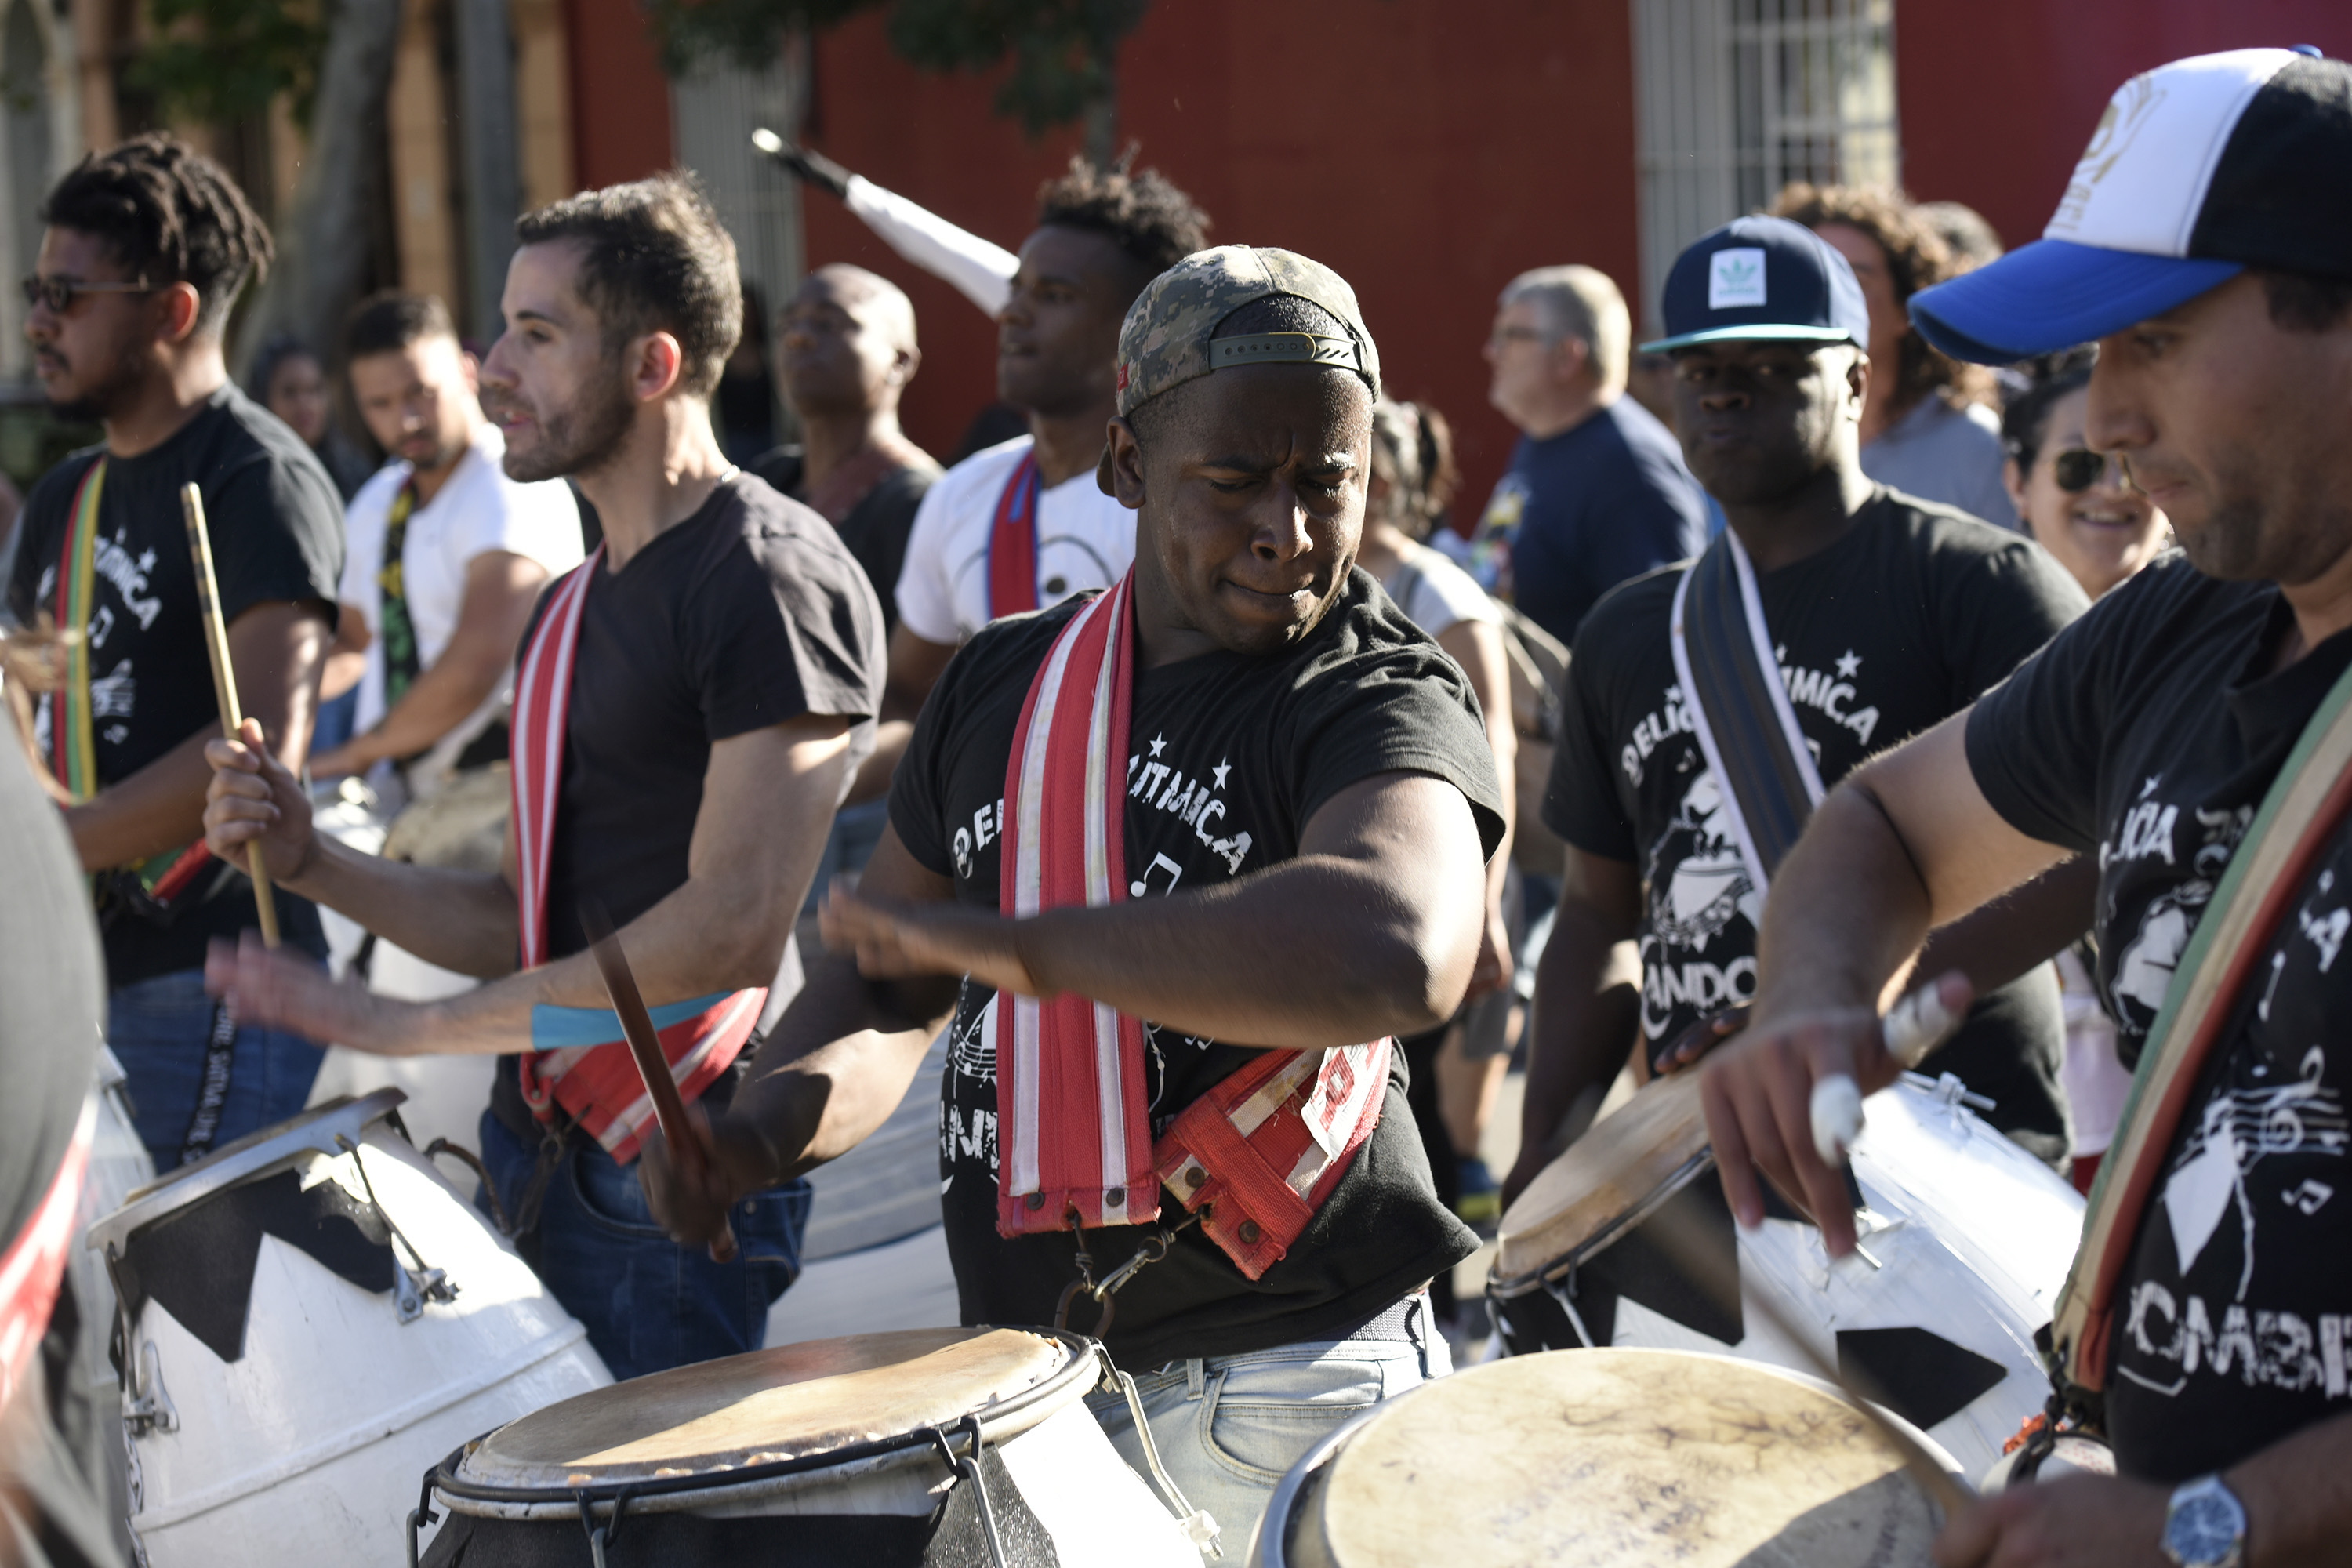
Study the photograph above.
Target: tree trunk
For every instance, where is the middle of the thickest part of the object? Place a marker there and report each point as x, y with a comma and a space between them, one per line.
322, 241
487, 131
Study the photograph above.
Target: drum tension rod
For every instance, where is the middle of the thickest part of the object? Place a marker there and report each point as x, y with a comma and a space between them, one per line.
410, 1292
968, 1468
600, 1536
1198, 1524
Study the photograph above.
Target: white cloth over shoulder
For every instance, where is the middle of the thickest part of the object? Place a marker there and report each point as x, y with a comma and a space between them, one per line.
979, 272
479, 509
1435, 594
1084, 540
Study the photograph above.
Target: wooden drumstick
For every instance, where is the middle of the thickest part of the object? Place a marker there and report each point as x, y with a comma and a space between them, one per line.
1691, 1256
200, 544
644, 1050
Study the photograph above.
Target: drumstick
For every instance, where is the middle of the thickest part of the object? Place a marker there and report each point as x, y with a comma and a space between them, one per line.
1913, 1026
200, 544
1690, 1254
644, 1050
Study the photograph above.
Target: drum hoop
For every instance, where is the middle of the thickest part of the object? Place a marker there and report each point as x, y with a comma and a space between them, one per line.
680, 1493
317, 1132
1608, 1236
1274, 1539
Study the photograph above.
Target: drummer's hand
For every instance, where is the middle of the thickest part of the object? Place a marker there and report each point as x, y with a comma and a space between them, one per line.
1758, 1093
892, 940
284, 989
691, 1199
254, 796
2093, 1521
1694, 1043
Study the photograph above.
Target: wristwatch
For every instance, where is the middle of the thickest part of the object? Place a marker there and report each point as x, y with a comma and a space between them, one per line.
2205, 1525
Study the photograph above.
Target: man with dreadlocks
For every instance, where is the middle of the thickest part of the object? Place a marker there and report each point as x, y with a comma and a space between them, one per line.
146, 248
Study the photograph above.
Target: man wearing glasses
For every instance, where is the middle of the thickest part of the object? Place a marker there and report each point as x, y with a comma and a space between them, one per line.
146, 248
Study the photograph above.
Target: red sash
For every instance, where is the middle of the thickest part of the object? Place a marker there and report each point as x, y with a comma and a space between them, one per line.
31, 1267
1257, 1154
596, 1083
1012, 543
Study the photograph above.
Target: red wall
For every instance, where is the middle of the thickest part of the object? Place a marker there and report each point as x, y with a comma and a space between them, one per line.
620, 98
1427, 161
1998, 97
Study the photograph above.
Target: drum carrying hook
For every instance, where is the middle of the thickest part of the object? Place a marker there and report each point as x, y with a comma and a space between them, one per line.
1197, 1523
602, 1535
410, 1290
968, 1468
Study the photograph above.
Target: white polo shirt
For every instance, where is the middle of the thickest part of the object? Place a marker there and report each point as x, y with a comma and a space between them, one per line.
477, 511
1084, 540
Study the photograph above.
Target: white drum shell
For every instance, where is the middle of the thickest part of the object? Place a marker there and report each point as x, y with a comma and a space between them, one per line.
310, 1447
1972, 1237
118, 1166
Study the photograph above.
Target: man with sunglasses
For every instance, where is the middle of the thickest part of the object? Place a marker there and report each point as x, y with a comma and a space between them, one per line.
2205, 242
1879, 615
146, 248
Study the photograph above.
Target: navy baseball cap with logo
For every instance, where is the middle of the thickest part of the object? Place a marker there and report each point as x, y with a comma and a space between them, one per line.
2198, 170
1762, 278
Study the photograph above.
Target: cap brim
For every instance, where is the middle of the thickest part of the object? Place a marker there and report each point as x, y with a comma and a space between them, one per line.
1764, 333
2052, 294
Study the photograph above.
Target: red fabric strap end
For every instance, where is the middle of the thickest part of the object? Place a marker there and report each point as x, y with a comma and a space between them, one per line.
1013, 544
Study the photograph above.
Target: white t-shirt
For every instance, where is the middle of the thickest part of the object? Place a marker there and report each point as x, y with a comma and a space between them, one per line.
477, 511
1084, 540
1435, 594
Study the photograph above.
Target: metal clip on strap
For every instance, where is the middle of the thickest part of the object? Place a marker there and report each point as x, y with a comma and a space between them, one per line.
966, 1468
1196, 1523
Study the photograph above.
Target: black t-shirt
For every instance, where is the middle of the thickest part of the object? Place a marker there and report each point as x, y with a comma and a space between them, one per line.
2148, 732
277, 528
876, 529
748, 613
1232, 756
1904, 621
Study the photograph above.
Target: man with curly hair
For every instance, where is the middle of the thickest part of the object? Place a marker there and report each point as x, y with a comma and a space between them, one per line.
1929, 428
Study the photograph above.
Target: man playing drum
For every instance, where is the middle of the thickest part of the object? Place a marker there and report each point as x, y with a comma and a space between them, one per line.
690, 705
1833, 617
1239, 796
2190, 729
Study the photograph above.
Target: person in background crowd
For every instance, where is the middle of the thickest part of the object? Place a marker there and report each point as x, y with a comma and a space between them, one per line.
2081, 507
1457, 1068
1887, 613
724, 653
744, 409
1929, 430
146, 247
1596, 491
1024, 525
1964, 231
445, 556
849, 350
290, 379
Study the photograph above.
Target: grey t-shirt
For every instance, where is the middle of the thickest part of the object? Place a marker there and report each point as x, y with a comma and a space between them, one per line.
1948, 455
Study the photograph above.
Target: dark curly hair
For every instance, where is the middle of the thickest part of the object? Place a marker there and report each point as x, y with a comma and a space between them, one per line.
1145, 215
2025, 422
168, 215
1412, 449
1917, 258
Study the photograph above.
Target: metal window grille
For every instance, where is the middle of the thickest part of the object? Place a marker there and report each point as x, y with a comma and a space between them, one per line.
1736, 97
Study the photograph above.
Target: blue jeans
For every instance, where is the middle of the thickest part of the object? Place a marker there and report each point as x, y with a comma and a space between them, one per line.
162, 1030
856, 830
648, 1303
1227, 1428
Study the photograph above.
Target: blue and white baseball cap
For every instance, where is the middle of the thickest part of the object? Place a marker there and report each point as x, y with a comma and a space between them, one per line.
2198, 170
1762, 278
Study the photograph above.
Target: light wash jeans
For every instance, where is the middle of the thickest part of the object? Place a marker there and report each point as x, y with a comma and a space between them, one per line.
1227, 1428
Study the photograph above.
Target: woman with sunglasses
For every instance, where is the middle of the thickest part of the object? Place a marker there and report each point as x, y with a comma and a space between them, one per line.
2078, 504
2084, 508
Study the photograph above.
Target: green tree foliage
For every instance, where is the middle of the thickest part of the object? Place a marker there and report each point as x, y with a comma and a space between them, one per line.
218, 61
1063, 53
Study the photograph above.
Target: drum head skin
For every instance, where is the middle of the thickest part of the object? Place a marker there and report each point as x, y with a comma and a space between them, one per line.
789, 1402
1604, 1176
1611, 1459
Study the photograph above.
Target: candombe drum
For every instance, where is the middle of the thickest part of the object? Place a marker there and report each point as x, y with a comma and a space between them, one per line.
1606, 1458
118, 1166
920, 1446
309, 1316
1965, 1241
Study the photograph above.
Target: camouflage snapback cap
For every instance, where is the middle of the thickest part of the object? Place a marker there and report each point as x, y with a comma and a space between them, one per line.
1165, 341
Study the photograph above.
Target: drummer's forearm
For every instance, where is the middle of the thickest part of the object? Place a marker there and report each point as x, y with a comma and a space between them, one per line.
460, 920
2299, 1498
1585, 1018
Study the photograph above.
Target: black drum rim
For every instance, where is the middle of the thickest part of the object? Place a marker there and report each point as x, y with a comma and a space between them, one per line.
1084, 1363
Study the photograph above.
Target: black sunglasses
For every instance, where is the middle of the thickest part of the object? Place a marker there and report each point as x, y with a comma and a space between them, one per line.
2077, 468
57, 293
